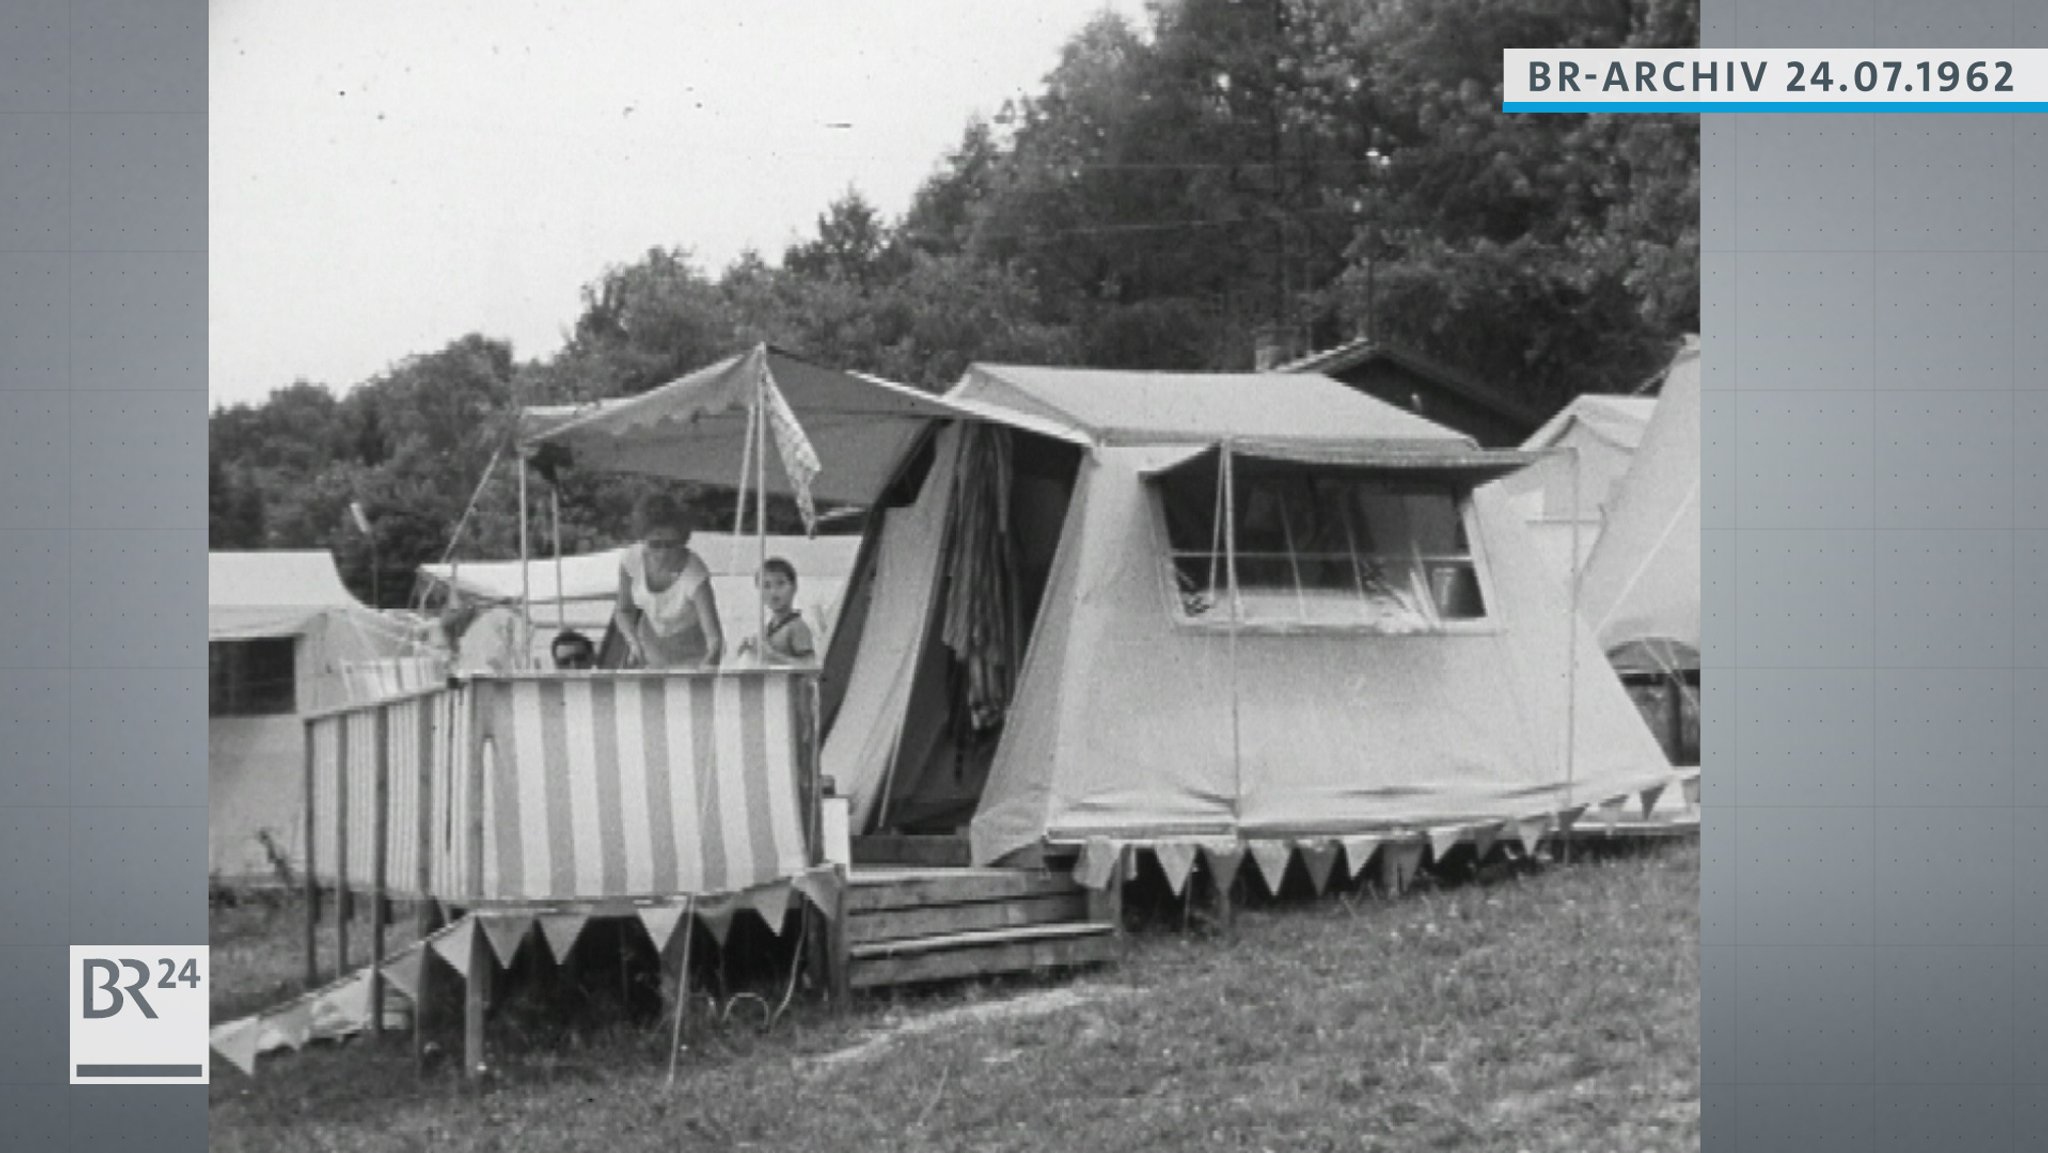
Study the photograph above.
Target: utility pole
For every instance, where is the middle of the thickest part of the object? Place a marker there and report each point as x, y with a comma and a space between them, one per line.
1276, 130
1375, 162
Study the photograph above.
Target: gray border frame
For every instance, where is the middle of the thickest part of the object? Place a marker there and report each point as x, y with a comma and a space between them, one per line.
102, 449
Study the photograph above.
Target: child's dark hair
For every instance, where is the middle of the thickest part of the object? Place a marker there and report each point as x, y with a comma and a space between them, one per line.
776, 564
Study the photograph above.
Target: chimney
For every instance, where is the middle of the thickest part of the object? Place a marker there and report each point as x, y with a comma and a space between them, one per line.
1266, 355
1275, 345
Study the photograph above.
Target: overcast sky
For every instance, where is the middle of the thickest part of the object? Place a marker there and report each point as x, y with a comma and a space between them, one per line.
388, 175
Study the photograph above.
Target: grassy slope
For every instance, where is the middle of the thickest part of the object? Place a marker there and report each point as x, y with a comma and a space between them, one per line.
1557, 1011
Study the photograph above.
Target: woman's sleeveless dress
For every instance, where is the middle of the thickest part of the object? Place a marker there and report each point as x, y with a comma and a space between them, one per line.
669, 633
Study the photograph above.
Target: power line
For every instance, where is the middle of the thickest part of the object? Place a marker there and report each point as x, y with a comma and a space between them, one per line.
1155, 226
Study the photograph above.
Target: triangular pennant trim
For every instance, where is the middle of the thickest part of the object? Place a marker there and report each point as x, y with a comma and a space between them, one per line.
1530, 833
716, 916
819, 888
294, 1025
1176, 860
236, 1043
452, 945
1318, 860
1223, 861
660, 922
405, 972
1650, 798
1358, 853
1098, 862
1483, 837
561, 931
1442, 840
341, 1009
771, 903
505, 935
1271, 857
1691, 785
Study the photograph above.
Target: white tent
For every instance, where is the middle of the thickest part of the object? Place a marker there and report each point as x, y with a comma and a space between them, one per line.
284, 638
589, 584
1602, 433
1173, 606
1642, 582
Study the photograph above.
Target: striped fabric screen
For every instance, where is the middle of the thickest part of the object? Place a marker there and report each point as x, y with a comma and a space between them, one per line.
636, 785
596, 785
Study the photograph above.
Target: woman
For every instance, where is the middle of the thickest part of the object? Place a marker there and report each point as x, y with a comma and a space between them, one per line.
666, 611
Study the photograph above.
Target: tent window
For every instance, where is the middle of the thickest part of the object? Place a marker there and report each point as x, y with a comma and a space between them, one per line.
252, 678
1318, 545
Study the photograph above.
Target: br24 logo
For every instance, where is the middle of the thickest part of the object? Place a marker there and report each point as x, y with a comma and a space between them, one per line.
103, 975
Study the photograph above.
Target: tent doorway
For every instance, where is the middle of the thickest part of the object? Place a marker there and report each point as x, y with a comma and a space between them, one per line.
938, 618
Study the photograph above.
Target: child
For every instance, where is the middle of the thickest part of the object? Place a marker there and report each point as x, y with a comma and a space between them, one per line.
789, 638
573, 651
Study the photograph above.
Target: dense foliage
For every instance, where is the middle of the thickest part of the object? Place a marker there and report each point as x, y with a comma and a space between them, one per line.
1299, 171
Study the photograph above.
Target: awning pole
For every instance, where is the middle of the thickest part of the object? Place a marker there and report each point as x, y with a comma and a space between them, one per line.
761, 505
555, 527
525, 561
1236, 620
1571, 648
739, 512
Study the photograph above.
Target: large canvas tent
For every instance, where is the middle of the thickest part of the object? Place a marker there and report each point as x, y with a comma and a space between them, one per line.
579, 592
284, 638
1170, 608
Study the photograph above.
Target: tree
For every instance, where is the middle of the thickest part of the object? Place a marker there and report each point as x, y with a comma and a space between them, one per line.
853, 246
1171, 191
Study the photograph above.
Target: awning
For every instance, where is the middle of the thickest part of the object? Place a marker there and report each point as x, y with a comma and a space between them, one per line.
1653, 655
1455, 460
695, 428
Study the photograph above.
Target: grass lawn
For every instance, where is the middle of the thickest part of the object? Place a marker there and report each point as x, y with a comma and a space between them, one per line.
1550, 1010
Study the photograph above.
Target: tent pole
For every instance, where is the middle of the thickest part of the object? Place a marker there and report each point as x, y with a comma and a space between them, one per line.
761, 507
555, 528
1571, 648
525, 556
1236, 620
456, 537
739, 512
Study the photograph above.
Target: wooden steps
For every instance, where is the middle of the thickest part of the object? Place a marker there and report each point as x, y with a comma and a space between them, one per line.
927, 851
912, 925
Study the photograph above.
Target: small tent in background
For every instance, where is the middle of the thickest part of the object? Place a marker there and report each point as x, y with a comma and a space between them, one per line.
284, 638
589, 585
1641, 586
1603, 433
1642, 581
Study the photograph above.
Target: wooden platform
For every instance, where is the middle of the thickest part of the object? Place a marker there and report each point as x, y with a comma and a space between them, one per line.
1595, 828
908, 925
901, 849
